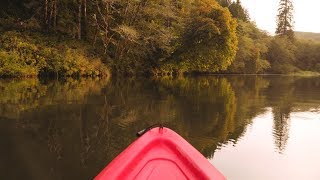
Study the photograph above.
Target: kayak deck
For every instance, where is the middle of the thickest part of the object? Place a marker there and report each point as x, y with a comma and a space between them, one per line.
160, 154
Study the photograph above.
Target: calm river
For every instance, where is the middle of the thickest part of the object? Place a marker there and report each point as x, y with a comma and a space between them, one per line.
249, 127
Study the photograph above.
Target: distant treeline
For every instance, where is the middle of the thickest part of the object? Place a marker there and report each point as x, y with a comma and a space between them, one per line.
155, 37
308, 36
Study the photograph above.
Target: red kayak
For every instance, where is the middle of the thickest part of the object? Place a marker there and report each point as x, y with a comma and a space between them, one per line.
160, 153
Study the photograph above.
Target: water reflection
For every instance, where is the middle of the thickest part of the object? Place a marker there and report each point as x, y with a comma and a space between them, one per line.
70, 129
281, 128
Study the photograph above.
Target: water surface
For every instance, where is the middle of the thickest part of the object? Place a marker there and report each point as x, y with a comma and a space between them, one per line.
249, 127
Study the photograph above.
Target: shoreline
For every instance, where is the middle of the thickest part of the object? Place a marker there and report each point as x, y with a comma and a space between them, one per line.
314, 74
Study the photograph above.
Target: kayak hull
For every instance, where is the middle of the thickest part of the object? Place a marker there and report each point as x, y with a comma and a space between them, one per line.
160, 154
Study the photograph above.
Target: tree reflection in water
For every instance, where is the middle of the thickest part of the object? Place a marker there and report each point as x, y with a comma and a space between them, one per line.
78, 126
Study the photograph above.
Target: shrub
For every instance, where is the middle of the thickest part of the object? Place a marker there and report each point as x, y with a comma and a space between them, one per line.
25, 55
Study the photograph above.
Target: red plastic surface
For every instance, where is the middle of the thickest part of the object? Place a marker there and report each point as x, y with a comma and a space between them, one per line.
160, 154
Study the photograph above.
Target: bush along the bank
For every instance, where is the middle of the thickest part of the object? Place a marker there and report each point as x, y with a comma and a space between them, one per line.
24, 55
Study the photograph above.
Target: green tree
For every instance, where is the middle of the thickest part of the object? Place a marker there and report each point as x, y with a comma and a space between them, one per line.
285, 19
238, 11
252, 50
308, 55
210, 42
281, 55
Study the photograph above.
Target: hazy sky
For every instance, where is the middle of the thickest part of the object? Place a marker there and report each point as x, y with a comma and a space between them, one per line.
264, 13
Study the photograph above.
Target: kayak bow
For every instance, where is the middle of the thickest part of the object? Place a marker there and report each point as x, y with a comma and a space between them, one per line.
160, 153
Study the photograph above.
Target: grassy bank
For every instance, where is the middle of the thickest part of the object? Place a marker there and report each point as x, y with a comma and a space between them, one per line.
32, 54
305, 73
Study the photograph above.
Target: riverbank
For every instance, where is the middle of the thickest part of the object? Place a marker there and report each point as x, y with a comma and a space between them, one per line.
35, 54
298, 74
305, 73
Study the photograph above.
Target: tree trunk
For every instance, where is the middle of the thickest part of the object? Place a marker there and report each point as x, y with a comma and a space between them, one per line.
95, 35
79, 18
85, 9
46, 12
84, 19
51, 14
55, 15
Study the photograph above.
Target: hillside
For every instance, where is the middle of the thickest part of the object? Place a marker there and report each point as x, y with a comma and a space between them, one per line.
308, 36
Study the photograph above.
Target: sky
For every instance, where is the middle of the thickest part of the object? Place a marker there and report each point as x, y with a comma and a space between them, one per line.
264, 12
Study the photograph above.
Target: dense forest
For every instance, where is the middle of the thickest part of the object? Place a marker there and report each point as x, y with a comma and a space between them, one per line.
155, 37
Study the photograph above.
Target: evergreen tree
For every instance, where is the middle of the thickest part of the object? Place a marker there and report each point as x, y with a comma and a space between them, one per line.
285, 19
238, 11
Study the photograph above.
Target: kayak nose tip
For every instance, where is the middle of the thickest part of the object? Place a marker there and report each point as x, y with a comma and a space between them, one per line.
161, 129
143, 131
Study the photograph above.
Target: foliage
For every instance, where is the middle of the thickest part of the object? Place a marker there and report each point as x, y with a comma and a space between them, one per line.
282, 55
252, 50
224, 3
298, 58
238, 11
209, 42
260, 53
135, 37
23, 55
308, 55
155, 30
